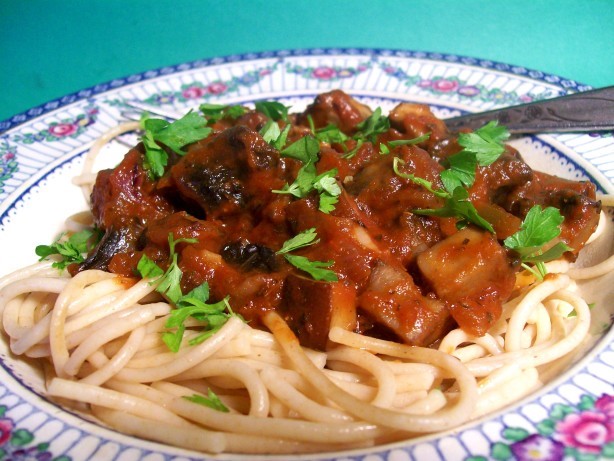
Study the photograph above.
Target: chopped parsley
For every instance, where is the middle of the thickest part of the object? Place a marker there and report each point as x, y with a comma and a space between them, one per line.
324, 184
487, 142
176, 135
354, 151
480, 148
317, 269
539, 227
273, 109
385, 148
211, 400
305, 149
194, 304
216, 112
271, 133
372, 126
307, 180
411, 142
70, 250
171, 278
456, 202
302, 240
329, 134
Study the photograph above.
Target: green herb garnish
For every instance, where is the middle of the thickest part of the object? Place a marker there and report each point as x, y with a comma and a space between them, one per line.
171, 278
273, 109
302, 240
216, 112
317, 269
354, 151
305, 149
539, 227
194, 304
176, 135
212, 401
385, 149
274, 136
372, 126
456, 202
330, 134
70, 250
481, 147
307, 180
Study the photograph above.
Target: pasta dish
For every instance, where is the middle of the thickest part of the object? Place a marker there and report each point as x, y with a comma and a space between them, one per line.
251, 280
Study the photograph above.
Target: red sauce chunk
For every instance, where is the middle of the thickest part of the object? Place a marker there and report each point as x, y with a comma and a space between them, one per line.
401, 275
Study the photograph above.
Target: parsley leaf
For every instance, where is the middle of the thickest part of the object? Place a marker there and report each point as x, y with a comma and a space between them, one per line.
486, 142
327, 203
213, 317
156, 158
461, 172
456, 202
303, 183
273, 135
385, 149
306, 181
302, 240
410, 142
481, 147
538, 228
457, 205
305, 149
270, 131
171, 278
215, 112
396, 162
354, 151
273, 109
211, 401
188, 129
554, 252
314, 268
70, 250
194, 304
330, 134
148, 268
329, 190
317, 269
372, 126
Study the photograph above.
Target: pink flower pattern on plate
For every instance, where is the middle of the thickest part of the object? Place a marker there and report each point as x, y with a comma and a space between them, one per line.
63, 129
6, 427
588, 431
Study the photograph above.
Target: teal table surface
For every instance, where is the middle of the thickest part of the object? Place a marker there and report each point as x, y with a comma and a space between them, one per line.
51, 48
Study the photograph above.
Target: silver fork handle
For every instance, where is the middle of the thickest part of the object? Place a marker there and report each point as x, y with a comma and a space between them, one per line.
579, 112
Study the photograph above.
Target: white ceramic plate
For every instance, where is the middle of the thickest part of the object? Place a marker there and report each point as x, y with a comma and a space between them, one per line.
42, 149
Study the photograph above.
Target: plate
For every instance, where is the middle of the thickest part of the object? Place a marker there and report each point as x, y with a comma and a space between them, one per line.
40, 151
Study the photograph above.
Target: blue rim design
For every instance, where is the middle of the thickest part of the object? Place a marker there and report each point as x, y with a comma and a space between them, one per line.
565, 84
438, 444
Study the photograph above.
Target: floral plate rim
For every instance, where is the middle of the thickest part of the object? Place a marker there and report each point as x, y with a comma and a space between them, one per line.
44, 108
512, 439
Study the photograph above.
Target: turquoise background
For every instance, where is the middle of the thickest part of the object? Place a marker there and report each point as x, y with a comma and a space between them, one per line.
51, 48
